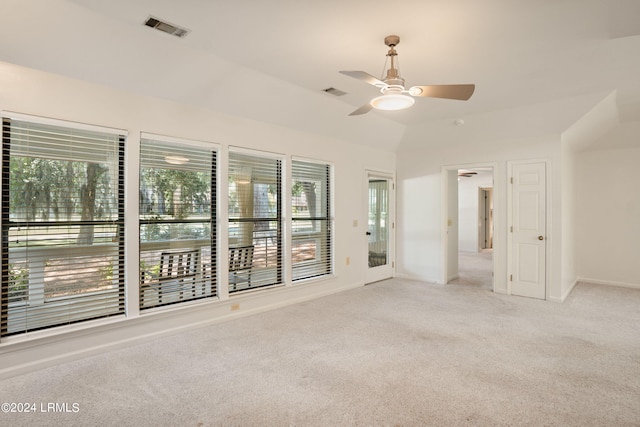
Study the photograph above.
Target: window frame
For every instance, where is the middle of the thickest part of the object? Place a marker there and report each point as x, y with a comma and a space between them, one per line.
46, 311
328, 219
279, 218
207, 274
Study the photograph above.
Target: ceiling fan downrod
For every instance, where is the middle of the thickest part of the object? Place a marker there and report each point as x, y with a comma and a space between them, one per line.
393, 77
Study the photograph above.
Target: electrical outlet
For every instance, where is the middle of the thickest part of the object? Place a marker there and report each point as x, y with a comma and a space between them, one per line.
235, 307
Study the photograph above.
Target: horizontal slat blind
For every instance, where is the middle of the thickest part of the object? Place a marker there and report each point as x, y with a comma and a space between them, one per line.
62, 219
255, 221
311, 222
177, 208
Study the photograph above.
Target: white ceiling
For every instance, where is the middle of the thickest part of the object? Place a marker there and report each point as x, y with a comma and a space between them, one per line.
270, 60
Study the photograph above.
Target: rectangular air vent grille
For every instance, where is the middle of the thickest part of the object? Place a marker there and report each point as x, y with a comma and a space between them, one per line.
165, 27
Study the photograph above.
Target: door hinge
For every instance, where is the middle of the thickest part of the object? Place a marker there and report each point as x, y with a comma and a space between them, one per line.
512, 228
393, 264
511, 277
511, 180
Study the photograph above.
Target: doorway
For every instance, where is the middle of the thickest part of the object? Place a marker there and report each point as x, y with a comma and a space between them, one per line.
468, 237
380, 227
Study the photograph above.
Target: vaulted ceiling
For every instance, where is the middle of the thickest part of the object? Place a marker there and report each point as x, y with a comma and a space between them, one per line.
553, 60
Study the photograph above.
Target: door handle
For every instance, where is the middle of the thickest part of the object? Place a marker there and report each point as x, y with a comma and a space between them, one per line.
540, 238
368, 233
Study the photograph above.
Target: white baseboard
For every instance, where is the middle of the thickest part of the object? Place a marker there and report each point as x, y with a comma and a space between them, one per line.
566, 293
501, 291
417, 278
608, 283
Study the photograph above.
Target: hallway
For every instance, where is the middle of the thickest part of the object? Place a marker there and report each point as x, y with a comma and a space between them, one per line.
475, 269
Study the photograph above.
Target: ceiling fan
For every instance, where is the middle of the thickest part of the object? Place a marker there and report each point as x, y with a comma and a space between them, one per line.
466, 173
394, 95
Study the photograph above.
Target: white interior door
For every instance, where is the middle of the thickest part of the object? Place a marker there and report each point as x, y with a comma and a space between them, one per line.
528, 232
380, 227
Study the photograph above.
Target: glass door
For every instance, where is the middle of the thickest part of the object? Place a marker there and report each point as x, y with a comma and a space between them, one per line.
379, 228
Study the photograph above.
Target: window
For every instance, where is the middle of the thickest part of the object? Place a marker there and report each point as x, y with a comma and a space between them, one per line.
177, 222
255, 221
310, 219
62, 220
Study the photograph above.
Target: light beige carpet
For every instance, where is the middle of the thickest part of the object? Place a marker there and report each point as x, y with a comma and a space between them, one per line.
394, 353
475, 269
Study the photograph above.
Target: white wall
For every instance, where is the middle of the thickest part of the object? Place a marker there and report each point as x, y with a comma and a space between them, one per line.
568, 268
468, 208
32, 92
583, 134
607, 220
452, 219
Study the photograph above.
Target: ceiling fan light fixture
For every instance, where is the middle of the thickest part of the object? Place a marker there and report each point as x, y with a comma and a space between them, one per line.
392, 102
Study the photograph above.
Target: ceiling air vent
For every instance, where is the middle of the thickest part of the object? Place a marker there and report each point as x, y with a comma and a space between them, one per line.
165, 27
333, 91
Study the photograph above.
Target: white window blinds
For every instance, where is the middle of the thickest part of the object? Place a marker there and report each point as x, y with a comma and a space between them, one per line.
62, 219
255, 221
177, 222
311, 221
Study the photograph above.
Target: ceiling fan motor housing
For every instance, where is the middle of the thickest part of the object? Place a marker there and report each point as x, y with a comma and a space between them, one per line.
393, 79
392, 88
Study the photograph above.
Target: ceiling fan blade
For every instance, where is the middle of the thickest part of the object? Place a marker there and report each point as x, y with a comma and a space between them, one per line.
362, 110
365, 77
460, 92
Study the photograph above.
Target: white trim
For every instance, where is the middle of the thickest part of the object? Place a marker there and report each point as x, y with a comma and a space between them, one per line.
332, 215
418, 278
54, 333
287, 222
289, 215
315, 279
63, 123
180, 141
391, 260
444, 226
132, 226
548, 210
497, 218
257, 153
566, 293
608, 283
283, 200
314, 161
222, 223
